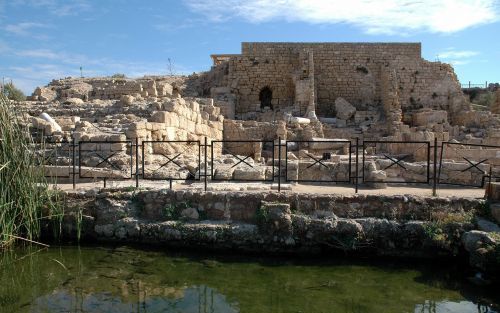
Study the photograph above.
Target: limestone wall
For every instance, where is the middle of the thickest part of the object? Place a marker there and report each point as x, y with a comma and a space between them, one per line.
103, 88
249, 130
178, 119
352, 71
270, 48
424, 84
347, 70
248, 75
269, 222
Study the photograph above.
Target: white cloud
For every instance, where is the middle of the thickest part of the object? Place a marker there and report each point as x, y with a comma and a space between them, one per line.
381, 16
27, 78
453, 54
106, 64
457, 57
49, 64
23, 29
38, 53
61, 56
459, 62
71, 8
56, 7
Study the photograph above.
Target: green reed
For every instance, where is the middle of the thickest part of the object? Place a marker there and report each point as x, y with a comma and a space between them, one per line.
25, 196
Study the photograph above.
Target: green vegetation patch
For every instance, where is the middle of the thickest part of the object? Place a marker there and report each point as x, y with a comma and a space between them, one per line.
444, 228
13, 93
25, 196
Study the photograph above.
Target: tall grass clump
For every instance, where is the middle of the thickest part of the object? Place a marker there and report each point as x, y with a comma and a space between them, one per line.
13, 93
24, 192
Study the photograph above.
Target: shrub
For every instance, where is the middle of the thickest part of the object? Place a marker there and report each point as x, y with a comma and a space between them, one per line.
13, 93
119, 75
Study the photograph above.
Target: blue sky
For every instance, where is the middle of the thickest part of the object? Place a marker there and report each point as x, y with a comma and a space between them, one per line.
45, 39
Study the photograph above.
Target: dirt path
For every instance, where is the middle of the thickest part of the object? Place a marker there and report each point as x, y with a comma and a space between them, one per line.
300, 188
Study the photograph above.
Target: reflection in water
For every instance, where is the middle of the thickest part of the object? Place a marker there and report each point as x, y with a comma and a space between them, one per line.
97, 279
199, 299
452, 307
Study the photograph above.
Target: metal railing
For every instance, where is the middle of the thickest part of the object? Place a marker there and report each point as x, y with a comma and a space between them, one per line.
100, 160
306, 168
242, 164
173, 170
350, 162
476, 167
407, 151
470, 85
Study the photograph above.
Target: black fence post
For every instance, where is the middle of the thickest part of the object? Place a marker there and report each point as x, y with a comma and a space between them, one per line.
206, 164
274, 162
434, 180
489, 186
73, 171
357, 168
136, 162
279, 164
143, 163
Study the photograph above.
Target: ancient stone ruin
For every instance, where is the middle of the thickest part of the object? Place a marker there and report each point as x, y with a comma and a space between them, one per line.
308, 101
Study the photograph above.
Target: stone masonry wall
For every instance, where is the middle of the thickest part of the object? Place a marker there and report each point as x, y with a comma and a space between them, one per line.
248, 75
249, 130
103, 88
178, 119
348, 70
270, 222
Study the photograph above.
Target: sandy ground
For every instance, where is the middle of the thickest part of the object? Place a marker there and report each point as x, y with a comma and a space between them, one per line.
442, 191
394, 190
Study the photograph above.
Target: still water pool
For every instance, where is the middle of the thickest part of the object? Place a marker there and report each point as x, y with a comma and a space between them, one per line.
125, 279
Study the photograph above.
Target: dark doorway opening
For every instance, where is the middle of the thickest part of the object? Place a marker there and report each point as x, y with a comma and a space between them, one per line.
266, 97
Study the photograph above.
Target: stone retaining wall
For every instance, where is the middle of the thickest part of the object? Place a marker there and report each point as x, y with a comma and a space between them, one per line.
286, 222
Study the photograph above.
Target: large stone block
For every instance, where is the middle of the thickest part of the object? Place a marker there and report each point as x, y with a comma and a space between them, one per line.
248, 173
73, 101
140, 133
344, 109
190, 126
425, 118
45, 94
169, 118
127, 100
493, 191
164, 89
172, 106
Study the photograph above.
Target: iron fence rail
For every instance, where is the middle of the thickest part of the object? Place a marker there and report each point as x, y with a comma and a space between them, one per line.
105, 158
473, 166
171, 160
240, 159
396, 160
205, 155
321, 161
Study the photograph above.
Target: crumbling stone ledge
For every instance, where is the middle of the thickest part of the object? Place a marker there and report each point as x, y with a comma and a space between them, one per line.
266, 222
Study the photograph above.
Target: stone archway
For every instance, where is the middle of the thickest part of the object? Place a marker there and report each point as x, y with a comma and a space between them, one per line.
266, 97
